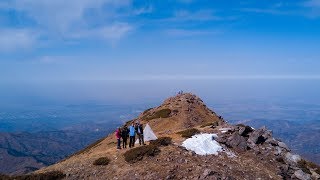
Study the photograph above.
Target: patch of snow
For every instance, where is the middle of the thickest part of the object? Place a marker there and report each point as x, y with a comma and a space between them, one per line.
203, 144
224, 130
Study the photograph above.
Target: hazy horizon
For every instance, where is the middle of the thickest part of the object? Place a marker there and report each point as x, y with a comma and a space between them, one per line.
154, 91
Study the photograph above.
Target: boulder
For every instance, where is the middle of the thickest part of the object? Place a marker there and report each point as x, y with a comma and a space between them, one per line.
292, 159
277, 151
283, 146
259, 136
301, 175
284, 171
238, 142
221, 139
272, 141
245, 130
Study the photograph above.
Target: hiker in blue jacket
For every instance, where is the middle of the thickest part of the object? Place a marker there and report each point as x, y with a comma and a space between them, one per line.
132, 134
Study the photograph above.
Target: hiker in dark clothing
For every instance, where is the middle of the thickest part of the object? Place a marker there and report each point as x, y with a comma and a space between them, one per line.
124, 135
139, 130
132, 134
140, 134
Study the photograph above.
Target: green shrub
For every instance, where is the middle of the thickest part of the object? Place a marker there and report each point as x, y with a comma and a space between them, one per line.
209, 124
162, 141
147, 110
137, 154
189, 132
303, 165
103, 161
52, 175
163, 113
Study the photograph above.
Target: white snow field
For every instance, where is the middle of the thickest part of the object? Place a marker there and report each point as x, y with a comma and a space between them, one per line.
203, 144
224, 130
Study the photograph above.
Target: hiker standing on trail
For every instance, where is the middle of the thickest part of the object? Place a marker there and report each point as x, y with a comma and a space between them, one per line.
118, 136
140, 134
136, 127
124, 135
132, 134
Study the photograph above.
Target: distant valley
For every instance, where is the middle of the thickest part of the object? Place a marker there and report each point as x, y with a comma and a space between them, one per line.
35, 138
25, 152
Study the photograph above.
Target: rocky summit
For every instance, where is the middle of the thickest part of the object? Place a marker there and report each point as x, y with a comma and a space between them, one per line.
245, 153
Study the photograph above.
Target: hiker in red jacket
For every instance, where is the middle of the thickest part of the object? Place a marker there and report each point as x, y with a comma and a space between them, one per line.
118, 136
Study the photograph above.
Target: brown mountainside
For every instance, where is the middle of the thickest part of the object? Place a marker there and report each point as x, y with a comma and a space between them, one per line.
247, 153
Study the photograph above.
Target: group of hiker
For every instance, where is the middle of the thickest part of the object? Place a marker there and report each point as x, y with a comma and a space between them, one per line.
129, 132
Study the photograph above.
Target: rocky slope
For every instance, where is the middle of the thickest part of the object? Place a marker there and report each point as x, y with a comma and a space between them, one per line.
247, 154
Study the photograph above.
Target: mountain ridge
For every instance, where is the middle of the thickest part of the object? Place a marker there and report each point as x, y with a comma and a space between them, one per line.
256, 153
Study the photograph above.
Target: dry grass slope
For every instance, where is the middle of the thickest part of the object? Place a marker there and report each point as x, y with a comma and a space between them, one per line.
209, 124
188, 132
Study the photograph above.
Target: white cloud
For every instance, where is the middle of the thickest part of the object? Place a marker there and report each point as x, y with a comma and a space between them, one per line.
111, 32
66, 19
61, 14
182, 16
15, 39
308, 8
273, 11
143, 10
115, 31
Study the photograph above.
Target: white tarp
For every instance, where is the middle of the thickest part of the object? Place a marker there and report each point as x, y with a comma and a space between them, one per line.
148, 134
203, 144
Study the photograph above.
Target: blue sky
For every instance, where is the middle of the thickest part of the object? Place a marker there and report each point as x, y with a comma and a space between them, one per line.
45, 40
